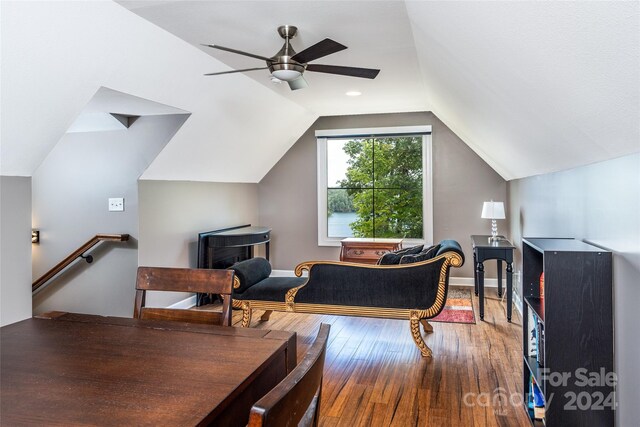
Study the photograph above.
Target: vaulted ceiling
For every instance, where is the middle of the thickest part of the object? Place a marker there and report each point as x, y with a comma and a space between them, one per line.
532, 87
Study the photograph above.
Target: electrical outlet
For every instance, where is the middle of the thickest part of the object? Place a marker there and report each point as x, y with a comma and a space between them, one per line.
116, 204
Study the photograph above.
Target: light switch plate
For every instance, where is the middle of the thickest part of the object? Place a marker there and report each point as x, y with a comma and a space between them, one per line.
116, 204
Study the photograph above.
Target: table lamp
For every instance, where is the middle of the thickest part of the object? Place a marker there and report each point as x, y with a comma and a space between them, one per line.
493, 210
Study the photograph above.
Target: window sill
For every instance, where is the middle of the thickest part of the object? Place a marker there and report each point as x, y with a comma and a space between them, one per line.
335, 242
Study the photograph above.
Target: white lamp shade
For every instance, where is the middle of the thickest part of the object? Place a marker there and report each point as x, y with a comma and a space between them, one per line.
493, 210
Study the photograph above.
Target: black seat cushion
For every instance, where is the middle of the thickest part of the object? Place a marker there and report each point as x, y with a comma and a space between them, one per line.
271, 289
250, 272
392, 258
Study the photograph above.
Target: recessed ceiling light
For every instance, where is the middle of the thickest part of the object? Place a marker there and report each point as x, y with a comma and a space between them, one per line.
353, 93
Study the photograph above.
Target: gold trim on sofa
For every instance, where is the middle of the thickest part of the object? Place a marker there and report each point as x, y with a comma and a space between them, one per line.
236, 282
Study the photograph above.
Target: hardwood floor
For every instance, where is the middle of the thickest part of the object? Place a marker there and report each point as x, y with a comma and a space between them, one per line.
375, 376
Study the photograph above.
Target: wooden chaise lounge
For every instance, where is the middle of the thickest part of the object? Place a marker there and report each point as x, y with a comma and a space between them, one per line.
415, 291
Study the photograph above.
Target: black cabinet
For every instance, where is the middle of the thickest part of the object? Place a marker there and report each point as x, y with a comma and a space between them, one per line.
568, 334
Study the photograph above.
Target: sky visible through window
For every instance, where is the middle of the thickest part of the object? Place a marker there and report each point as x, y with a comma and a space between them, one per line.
336, 162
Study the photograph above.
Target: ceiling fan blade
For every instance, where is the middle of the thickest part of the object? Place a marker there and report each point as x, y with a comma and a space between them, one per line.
318, 50
366, 73
239, 52
299, 83
235, 71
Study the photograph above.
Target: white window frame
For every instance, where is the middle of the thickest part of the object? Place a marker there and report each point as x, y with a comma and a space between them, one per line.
427, 177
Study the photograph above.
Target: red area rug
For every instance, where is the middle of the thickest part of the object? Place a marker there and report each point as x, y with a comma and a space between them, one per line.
458, 308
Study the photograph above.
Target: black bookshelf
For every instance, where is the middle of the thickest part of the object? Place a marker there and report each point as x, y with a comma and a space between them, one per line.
577, 316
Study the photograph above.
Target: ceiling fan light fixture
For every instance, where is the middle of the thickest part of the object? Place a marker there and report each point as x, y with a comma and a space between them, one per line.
286, 75
289, 66
286, 70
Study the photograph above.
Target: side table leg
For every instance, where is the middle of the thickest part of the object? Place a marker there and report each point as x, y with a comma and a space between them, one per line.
475, 273
499, 278
480, 273
509, 290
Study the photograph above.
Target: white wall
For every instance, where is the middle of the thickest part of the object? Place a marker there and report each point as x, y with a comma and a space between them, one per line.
599, 203
70, 192
15, 249
172, 213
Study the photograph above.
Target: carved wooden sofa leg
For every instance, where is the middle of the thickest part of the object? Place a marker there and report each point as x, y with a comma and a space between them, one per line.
414, 323
266, 315
246, 314
428, 328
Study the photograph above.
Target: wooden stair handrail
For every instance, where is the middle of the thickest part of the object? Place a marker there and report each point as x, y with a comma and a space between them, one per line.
76, 254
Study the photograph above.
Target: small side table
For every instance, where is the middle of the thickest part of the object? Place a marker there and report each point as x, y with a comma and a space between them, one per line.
501, 250
367, 251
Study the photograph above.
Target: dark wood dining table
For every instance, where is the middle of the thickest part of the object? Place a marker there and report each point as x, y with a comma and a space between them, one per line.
75, 369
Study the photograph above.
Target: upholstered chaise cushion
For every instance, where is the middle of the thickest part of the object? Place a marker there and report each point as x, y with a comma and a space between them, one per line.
424, 255
392, 258
271, 289
250, 272
411, 287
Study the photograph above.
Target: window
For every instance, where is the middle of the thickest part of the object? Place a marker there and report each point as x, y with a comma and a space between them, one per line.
374, 183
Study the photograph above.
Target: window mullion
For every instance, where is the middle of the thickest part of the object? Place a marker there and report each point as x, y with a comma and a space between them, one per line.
373, 187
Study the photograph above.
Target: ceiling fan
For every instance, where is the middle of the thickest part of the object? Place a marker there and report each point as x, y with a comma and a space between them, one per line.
288, 66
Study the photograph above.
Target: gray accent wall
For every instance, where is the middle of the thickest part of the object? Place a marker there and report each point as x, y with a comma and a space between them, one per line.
15, 249
71, 189
461, 182
172, 213
600, 204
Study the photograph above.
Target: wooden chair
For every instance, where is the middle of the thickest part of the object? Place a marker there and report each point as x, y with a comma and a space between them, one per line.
296, 400
184, 280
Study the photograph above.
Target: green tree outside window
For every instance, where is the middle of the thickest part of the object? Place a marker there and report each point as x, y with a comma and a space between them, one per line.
383, 186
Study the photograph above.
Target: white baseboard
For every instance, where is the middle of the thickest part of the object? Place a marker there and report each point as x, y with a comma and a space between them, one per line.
468, 281
185, 303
